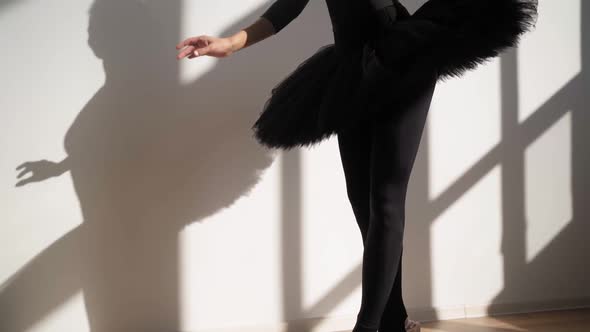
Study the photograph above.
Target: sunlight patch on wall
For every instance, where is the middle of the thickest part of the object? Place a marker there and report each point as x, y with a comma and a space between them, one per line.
483, 257
463, 124
548, 186
465, 246
550, 56
231, 261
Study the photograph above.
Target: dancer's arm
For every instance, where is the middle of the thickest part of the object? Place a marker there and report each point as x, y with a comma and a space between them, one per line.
221, 47
282, 12
278, 16
273, 20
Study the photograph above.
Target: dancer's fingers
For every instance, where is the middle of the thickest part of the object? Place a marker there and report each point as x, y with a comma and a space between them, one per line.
189, 41
188, 50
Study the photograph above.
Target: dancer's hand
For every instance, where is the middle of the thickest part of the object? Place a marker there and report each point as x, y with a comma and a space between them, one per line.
205, 45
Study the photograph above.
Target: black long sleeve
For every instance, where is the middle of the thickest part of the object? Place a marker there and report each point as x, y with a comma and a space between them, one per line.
282, 12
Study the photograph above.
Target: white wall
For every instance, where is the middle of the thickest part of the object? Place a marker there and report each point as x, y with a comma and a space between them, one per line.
171, 218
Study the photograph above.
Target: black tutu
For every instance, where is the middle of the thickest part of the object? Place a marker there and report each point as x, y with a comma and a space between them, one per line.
328, 92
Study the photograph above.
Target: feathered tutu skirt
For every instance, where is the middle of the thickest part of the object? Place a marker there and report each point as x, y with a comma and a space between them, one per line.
329, 91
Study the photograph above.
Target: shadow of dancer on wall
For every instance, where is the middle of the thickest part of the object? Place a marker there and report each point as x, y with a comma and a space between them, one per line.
147, 156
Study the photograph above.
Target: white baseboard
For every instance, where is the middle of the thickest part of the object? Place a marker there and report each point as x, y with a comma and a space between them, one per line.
345, 323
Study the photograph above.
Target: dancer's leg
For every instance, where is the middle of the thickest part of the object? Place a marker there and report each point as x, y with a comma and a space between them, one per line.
395, 314
355, 151
393, 151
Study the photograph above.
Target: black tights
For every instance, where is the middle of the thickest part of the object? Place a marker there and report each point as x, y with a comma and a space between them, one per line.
377, 158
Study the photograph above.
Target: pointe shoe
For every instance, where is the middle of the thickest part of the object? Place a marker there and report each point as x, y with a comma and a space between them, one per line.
412, 325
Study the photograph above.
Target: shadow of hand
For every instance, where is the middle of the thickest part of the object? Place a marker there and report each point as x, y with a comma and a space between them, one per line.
41, 170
